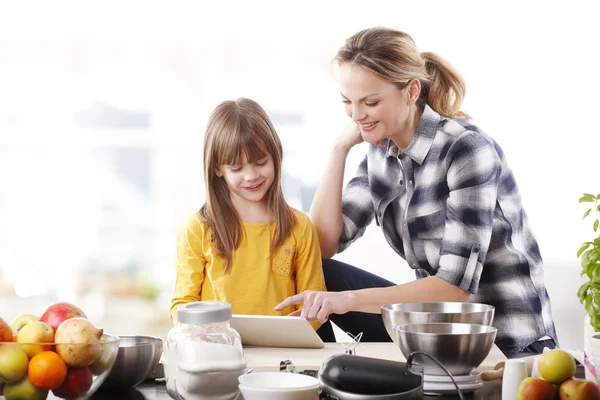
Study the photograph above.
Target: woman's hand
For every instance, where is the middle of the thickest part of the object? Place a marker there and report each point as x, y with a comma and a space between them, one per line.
350, 136
318, 305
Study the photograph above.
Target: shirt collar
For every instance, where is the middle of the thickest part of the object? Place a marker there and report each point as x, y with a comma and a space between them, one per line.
419, 146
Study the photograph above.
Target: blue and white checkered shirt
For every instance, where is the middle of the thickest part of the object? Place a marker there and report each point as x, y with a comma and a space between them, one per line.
449, 205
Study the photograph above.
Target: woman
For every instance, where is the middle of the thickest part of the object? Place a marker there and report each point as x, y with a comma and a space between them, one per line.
441, 191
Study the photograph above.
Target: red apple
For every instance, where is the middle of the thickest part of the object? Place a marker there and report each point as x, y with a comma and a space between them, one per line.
5, 331
56, 313
535, 388
77, 383
579, 389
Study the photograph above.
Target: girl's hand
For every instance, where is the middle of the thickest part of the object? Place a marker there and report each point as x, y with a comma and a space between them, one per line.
318, 305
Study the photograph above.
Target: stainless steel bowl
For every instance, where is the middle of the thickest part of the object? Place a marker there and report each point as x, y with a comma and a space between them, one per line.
426, 313
459, 347
137, 358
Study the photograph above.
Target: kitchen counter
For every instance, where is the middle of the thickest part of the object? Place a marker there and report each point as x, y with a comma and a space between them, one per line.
268, 359
151, 391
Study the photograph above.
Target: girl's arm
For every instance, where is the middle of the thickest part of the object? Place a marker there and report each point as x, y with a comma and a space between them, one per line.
308, 263
190, 266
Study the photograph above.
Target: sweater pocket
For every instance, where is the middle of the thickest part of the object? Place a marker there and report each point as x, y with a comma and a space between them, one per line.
283, 257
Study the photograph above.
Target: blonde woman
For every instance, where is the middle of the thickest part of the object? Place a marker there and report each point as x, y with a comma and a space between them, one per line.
246, 245
441, 191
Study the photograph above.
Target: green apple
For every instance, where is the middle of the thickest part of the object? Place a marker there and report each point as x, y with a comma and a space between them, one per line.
19, 322
33, 334
556, 366
106, 359
23, 390
13, 362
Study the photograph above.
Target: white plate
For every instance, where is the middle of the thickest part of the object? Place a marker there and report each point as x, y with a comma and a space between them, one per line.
445, 388
475, 376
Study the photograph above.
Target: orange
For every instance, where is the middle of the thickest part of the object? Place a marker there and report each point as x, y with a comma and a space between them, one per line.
47, 370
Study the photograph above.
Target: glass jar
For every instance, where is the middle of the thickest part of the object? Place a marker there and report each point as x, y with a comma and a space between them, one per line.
203, 355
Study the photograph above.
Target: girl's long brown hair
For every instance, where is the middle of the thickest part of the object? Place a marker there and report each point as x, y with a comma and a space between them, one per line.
236, 129
393, 56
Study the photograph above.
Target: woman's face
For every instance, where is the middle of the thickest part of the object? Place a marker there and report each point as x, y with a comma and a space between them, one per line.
379, 107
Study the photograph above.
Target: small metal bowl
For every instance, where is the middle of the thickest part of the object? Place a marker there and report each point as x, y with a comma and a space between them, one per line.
459, 347
137, 358
426, 313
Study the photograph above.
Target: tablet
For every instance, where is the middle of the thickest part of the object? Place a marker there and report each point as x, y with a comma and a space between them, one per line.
276, 331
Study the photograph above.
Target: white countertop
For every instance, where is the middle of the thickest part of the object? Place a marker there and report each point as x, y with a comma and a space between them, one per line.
268, 358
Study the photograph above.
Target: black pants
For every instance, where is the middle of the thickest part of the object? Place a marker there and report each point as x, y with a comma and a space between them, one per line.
340, 276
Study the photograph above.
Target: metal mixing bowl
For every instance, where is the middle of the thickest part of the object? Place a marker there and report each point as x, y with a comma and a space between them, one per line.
426, 313
137, 358
459, 347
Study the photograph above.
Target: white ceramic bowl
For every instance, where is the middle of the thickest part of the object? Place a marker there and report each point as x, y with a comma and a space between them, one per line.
278, 386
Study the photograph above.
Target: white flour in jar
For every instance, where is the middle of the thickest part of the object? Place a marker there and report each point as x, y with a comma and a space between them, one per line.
204, 370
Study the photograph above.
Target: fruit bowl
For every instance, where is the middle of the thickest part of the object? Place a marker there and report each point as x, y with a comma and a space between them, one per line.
36, 371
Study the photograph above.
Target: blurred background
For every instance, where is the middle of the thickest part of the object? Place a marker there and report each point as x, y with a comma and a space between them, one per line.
103, 108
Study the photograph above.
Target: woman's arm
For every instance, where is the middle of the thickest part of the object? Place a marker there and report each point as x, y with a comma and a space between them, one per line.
430, 289
339, 219
318, 305
326, 208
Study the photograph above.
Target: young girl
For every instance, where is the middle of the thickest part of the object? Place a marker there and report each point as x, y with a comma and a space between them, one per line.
246, 245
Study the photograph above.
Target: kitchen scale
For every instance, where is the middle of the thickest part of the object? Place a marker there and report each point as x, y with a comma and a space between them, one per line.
442, 384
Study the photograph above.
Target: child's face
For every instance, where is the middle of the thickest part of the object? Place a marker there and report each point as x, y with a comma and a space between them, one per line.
249, 181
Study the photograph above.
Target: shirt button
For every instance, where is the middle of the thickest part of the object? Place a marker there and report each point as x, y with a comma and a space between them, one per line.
410, 182
402, 181
415, 265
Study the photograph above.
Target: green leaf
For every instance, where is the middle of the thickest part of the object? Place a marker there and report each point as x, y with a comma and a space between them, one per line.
587, 198
596, 223
587, 213
598, 196
582, 292
583, 248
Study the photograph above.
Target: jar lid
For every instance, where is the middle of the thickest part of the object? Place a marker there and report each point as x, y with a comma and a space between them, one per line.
204, 312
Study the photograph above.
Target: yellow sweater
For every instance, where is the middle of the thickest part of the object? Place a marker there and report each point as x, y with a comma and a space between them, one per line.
255, 282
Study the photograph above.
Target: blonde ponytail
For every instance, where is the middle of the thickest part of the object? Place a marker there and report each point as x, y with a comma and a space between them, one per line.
445, 90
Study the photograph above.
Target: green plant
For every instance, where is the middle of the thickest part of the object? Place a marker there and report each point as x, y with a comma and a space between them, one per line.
589, 252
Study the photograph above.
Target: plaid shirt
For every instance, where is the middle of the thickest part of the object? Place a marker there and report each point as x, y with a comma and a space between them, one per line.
449, 205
